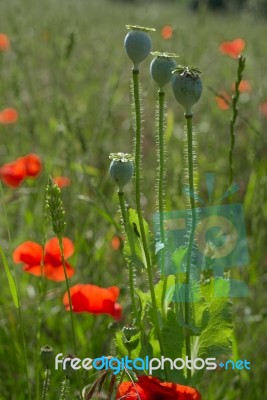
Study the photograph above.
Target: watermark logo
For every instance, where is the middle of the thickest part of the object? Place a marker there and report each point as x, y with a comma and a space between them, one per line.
147, 364
220, 238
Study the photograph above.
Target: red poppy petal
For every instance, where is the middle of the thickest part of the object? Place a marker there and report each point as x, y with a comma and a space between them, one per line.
13, 174
116, 243
33, 269
167, 32
62, 181
233, 48
79, 300
52, 250
8, 116
263, 109
117, 312
131, 391
56, 273
167, 390
33, 164
4, 42
94, 299
28, 253
223, 102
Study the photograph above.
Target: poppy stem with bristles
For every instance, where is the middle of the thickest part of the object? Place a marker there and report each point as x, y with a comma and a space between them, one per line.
137, 106
191, 238
128, 234
160, 189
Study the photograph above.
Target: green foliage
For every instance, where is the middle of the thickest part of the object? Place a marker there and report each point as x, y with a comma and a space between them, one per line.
11, 281
215, 339
138, 257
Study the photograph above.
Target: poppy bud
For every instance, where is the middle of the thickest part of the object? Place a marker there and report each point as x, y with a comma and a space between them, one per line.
129, 331
187, 87
161, 68
121, 169
68, 369
47, 355
137, 44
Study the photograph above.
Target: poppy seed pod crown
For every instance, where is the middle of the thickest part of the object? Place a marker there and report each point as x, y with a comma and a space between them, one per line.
137, 44
161, 68
187, 87
121, 169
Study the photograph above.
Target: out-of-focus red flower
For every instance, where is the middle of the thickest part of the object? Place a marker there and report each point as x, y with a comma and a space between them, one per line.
116, 243
14, 173
223, 100
151, 388
94, 299
244, 86
233, 48
8, 116
32, 255
167, 32
33, 165
4, 42
62, 181
263, 109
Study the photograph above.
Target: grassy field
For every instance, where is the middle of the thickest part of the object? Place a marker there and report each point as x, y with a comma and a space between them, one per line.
67, 75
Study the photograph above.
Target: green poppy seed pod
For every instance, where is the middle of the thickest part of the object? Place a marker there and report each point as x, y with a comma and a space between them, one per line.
187, 87
161, 68
121, 169
137, 44
47, 355
67, 365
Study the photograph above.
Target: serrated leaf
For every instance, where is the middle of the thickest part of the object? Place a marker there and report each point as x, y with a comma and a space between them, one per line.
170, 287
136, 255
215, 339
144, 299
178, 256
173, 342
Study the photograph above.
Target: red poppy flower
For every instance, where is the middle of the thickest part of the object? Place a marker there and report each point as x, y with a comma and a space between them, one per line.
94, 299
263, 109
8, 116
116, 243
33, 165
244, 86
4, 42
32, 254
223, 100
167, 32
15, 172
151, 388
62, 181
233, 48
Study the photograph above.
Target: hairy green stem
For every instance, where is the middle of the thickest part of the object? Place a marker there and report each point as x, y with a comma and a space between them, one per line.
65, 387
128, 233
160, 180
138, 205
46, 383
191, 239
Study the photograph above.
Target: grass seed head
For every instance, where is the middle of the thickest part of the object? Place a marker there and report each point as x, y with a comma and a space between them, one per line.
55, 207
